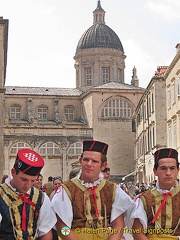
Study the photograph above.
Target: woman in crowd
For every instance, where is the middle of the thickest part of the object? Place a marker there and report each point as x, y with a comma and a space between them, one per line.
38, 182
57, 181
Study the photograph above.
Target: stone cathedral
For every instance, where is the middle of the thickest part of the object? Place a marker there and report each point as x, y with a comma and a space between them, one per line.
55, 121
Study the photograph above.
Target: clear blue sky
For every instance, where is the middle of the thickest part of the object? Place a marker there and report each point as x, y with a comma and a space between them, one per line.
43, 35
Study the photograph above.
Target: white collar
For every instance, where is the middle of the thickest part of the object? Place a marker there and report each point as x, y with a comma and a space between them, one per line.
93, 184
8, 182
164, 191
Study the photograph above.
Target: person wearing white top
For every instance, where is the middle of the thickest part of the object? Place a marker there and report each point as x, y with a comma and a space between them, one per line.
25, 212
88, 206
159, 207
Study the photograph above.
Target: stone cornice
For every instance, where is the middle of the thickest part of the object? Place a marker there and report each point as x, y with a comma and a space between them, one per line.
99, 52
173, 63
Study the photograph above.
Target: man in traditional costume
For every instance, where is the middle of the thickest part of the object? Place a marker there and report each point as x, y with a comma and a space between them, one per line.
25, 212
161, 205
89, 207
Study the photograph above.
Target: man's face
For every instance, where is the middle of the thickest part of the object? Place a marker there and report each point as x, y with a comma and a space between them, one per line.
91, 165
167, 173
21, 181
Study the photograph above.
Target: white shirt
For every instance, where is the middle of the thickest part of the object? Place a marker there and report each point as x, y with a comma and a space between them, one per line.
122, 204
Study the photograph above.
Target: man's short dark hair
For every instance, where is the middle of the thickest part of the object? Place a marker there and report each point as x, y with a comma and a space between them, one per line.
103, 157
156, 164
16, 169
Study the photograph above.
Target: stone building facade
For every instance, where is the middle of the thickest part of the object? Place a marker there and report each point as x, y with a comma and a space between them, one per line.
3, 61
157, 118
172, 78
55, 121
149, 120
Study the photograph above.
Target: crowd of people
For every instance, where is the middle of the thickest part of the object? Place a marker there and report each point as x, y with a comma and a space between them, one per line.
135, 189
88, 206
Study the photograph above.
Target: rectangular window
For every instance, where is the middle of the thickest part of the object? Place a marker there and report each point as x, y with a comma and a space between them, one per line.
152, 102
153, 137
42, 113
15, 113
105, 75
149, 105
175, 135
150, 139
89, 76
170, 136
178, 87
69, 113
173, 94
141, 111
168, 99
147, 115
119, 75
145, 143
144, 112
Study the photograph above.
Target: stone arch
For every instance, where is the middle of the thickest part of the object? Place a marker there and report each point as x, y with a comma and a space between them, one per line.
49, 149
17, 146
52, 155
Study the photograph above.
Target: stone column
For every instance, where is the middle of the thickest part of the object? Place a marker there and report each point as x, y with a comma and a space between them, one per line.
64, 161
56, 110
30, 113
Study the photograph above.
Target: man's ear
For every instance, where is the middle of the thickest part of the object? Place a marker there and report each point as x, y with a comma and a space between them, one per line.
13, 171
154, 170
104, 165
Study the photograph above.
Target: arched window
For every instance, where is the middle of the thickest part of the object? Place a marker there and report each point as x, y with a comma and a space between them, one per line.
75, 149
49, 149
69, 113
178, 87
17, 146
15, 112
117, 108
42, 113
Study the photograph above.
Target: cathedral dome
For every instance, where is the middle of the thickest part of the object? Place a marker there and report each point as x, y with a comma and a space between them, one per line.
99, 35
